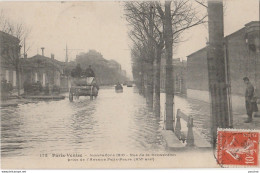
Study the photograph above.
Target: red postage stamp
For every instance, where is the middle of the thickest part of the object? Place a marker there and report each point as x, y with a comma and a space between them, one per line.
235, 147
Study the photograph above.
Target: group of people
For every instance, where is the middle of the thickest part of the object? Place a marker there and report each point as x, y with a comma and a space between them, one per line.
78, 72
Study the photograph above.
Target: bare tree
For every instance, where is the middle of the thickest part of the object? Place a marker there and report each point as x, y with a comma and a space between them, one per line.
16, 29
138, 61
177, 16
21, 32
147, 28
3, 21
149, 20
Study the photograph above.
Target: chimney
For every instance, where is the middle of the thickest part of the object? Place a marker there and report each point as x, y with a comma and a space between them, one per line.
52, 56
42, 51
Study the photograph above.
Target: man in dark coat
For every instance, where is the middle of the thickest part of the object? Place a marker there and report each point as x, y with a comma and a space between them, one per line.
77, 72
251, 105
118, 86
90, 72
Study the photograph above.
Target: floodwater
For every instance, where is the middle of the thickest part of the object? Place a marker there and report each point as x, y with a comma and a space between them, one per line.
113, 122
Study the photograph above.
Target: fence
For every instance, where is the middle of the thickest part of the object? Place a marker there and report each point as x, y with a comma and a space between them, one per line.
190, 136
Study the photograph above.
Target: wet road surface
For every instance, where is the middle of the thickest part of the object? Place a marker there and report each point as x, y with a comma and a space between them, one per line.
111, 122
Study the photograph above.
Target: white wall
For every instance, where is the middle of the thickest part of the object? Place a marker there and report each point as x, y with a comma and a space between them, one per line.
14, 78
35, 77
238, 102
44, 79
198, 94
7, 75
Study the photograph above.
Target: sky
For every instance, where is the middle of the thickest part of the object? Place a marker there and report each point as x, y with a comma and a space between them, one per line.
101, 26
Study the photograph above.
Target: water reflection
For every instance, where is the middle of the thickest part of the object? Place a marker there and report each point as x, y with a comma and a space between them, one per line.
112, 122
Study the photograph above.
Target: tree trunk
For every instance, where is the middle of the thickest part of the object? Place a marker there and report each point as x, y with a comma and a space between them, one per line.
157, 81
149, 85
169, 70
150, 81
142, 82
216, 69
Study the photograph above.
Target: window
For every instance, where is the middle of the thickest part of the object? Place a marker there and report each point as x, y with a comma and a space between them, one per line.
36, 77
7, 75
14, 78
43, 79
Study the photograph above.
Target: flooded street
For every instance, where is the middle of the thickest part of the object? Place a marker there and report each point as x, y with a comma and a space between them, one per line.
117, 122
112, 122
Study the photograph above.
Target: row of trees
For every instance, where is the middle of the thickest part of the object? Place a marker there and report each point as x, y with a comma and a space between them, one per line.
155, 29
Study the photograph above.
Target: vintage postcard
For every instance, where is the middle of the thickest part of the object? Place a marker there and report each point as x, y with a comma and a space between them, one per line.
130, 84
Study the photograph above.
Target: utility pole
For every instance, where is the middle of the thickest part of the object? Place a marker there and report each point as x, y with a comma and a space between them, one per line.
42, 51
220, 117
67, 52
258, 52
67, 58
257, 56
24, 47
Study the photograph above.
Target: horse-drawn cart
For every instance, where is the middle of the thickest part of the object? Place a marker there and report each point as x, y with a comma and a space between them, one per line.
83, 86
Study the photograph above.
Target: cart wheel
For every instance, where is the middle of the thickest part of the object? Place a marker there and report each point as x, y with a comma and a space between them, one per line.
71, 96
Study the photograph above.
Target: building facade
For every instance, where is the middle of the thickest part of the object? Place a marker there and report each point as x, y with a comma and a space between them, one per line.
242, 54
9, 58
45, 70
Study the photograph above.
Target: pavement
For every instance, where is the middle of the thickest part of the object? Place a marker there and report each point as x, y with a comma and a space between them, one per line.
14, 102
44, 97
239, 122
172, 142
203, 141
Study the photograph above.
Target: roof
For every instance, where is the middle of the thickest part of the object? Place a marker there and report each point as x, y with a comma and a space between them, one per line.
34, 61
46, 58
252, 23
8, 36
198, 51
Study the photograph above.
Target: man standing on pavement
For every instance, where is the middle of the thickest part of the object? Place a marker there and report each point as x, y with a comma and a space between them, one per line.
251, 105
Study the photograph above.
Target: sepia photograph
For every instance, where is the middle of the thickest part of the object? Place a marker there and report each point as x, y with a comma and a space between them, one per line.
130, 84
